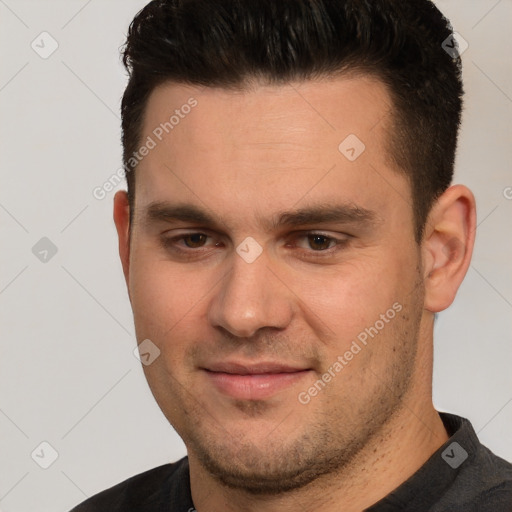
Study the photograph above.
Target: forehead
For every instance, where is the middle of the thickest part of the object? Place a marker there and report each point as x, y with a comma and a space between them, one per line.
268, 146
322, 109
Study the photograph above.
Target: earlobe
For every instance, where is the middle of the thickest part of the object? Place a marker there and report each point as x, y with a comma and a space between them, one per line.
122, 222
447, 246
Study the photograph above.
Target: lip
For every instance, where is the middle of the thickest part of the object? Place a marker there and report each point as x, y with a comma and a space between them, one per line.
253, 381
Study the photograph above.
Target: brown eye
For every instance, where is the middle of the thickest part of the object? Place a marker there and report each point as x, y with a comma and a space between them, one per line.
195, 240
319, 242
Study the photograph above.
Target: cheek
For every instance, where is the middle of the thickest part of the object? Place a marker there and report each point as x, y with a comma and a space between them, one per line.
168, 310
352, 297
164, 299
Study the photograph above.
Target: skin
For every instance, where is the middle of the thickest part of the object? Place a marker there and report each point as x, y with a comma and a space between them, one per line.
244, 158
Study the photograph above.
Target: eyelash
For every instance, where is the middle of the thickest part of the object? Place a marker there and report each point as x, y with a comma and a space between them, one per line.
171, 244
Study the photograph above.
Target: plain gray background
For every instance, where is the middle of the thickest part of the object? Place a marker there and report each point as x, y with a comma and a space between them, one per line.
68, 375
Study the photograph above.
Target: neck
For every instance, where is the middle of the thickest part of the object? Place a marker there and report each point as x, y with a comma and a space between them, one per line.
404, 444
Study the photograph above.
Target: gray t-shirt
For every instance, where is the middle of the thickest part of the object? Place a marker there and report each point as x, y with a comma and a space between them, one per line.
462, 476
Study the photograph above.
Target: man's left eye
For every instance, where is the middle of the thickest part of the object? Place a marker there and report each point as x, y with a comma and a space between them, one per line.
320, 242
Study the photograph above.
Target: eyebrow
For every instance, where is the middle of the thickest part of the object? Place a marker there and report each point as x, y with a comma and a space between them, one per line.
167, 212
323, 214
319, 214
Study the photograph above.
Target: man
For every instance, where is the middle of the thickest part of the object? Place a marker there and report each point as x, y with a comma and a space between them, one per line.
288, 235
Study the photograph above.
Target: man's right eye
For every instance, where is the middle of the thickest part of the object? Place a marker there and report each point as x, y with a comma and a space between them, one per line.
194, 240
189, 244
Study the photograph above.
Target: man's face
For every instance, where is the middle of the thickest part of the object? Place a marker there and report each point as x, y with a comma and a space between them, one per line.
262, 254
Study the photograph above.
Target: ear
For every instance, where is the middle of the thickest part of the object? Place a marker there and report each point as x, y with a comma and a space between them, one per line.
447, 246
122, 222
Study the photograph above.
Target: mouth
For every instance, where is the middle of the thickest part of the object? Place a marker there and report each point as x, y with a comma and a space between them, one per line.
253, 381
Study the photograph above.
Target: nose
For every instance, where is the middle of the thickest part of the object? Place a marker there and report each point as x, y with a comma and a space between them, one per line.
250, 297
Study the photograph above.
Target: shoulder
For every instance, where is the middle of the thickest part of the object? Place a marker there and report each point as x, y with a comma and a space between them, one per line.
484, 480
143, 492
492, 475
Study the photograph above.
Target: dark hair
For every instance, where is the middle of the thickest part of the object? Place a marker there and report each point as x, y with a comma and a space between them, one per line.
229, 43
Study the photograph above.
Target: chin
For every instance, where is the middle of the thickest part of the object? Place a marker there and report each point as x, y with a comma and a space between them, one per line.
277, 467
260, 481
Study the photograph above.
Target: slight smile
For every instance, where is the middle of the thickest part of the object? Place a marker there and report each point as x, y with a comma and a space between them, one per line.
255, 381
